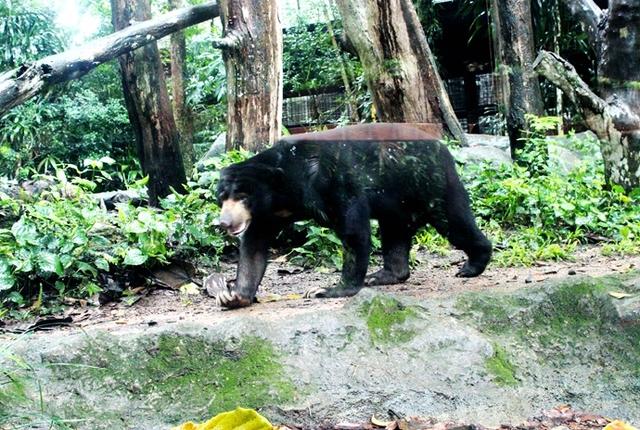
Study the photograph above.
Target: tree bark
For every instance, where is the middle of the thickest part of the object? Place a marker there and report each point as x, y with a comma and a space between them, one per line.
619, 62
399, 67
616, 36
181, 111
23, 83
252, 51
518, 54
147, 100
589, 14
615, 124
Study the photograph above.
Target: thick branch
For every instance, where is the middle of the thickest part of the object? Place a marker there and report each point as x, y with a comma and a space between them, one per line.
564, 76
589, 14
19, 85
232, 40
615, 124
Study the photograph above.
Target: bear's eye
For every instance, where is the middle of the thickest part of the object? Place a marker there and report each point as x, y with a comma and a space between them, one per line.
241, 196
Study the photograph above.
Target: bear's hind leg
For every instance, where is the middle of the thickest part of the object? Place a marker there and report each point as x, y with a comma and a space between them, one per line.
396, 244
462, 232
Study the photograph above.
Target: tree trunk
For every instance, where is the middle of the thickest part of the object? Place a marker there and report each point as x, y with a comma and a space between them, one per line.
619, 62
147, 100
518, 55
181, 112
252, 52
616, 36
398, 64
615, 124
23, 83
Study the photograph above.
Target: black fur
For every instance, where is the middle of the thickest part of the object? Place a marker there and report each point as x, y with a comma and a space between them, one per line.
342, 185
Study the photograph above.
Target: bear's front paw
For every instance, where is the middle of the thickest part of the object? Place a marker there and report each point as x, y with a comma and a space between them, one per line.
232, 300
223, 292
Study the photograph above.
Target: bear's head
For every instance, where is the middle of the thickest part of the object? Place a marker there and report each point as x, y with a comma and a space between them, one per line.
245, 193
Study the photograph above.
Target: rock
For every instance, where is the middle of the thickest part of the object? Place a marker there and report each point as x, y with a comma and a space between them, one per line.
568, 152
628, 310
111, 198
216, 149
499, 142
343, 360
479, 154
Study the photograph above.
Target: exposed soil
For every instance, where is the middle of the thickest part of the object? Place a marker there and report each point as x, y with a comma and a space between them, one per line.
283, 284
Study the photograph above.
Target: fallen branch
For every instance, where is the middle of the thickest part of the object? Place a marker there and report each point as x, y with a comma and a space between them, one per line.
23, 83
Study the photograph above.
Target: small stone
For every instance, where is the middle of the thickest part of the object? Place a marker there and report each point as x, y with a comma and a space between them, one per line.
528, 280
572, 272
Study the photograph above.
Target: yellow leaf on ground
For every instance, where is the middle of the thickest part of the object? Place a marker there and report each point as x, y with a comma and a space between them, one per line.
619, 295
619, 425
190, 289
240, 419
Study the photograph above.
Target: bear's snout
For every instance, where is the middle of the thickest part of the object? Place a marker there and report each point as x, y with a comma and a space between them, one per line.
234, 217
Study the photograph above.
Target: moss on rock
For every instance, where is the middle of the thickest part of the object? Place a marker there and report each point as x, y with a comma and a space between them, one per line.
572, 321
499, 365
182, 376
386, 318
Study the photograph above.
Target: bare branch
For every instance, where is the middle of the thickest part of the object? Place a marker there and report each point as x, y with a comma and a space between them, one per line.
23, 83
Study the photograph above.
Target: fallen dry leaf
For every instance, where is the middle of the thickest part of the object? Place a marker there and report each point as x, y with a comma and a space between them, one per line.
379, 423
619, 295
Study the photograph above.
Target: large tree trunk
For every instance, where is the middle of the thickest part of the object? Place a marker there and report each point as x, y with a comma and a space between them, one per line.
252, 51
619, 62
616, 36
181, 111
23, 83
398, 64
615, 124
147, 100
518, 55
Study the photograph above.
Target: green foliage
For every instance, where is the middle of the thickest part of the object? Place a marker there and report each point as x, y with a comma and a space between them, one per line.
70, 128
538, 213
26, 33
322, 248
310, 60
57, 245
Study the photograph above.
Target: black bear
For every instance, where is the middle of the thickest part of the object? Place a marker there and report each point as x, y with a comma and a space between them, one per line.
342, 178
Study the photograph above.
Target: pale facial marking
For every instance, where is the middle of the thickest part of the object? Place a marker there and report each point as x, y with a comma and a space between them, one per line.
234, 216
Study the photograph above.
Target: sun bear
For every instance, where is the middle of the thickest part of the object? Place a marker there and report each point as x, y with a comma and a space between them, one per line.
343, 178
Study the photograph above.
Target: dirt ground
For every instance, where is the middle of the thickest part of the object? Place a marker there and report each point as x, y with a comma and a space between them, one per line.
283, 285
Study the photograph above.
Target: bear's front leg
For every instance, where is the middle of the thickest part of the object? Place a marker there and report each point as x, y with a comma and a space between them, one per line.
251, 266
355, 233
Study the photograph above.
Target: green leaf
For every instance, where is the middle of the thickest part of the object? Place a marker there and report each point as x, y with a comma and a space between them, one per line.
49, 262
135, 257
567, 206
7, 280
102, 264
24, 233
